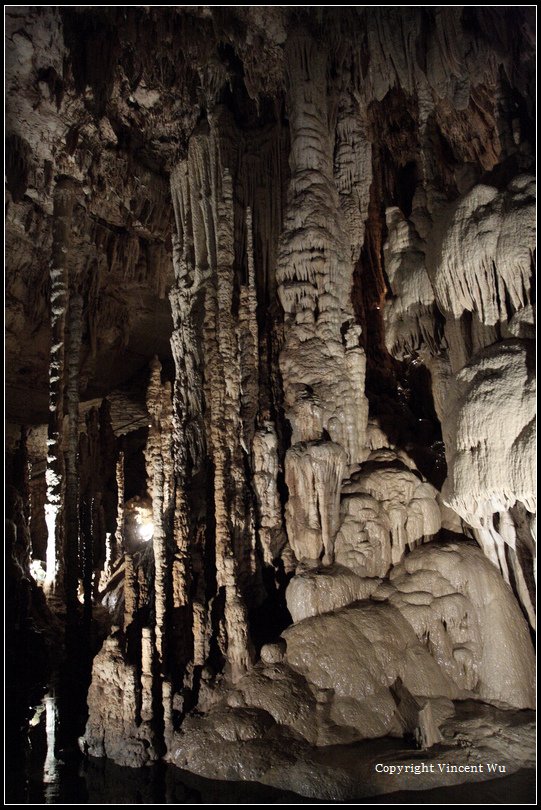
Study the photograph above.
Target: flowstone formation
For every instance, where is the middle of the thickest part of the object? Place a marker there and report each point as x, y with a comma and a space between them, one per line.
270, 283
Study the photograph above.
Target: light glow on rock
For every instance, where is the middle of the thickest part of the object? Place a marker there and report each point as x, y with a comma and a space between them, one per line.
145, 529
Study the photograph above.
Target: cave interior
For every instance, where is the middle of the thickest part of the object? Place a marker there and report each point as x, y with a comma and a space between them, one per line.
270, 391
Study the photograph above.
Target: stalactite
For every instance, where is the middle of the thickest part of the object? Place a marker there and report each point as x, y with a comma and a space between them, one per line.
230, 358
167, 442
249, 342
180, 571
411, 171
160, 555
482, 267
314, 472
322, 371
187, 404
62, 224
284, 522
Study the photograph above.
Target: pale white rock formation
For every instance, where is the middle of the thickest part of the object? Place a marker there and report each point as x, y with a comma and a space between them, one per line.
74, 329
420, 715
522, 324
274, 713
266, 467
489, 431
486, 253
449, 518
448, 627
277, 690
375, 436
479, 254
322, 590
120, 483
386, 509
273, 653
321, 362
363, 542
358, 653
409, 316
159, 464
188, 444
221, 344
116, 726
468, 618
337, 682
130, 591
250, 749
313, 474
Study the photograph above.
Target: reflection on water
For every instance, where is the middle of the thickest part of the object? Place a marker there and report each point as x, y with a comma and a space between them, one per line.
53, 776
50, 766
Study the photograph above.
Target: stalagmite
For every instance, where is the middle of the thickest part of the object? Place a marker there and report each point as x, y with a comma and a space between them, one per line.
146, 675
199, 626
107, 563
114, 704
266, 469
159, 471
167, 712
187, 404
130, 594
119, 530
89, 468
224, 416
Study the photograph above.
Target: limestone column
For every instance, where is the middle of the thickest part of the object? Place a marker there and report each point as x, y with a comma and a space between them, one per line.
59, 277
